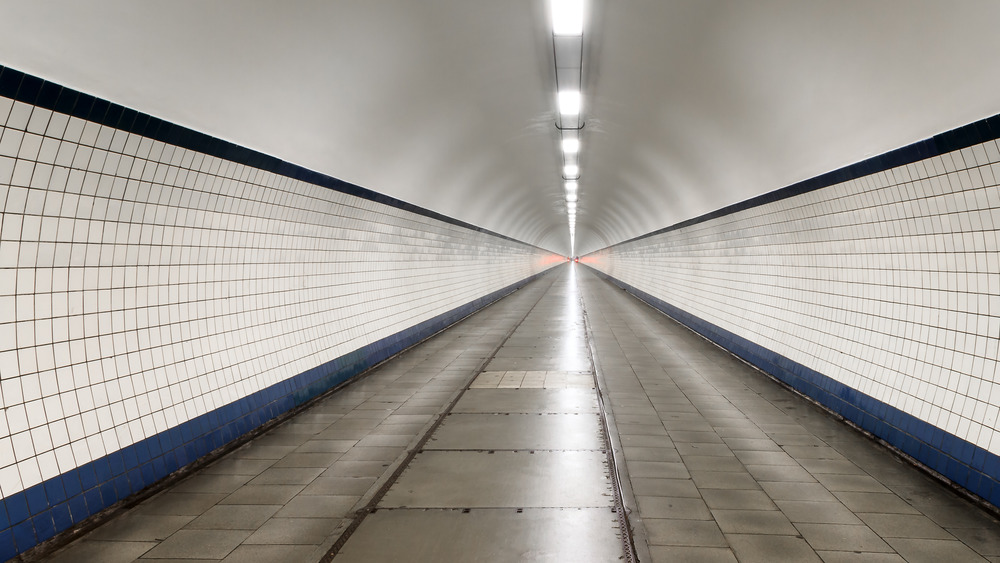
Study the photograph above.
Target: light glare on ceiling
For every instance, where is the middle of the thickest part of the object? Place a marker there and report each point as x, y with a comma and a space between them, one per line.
569, 102
568, 20
571, 146
567, 17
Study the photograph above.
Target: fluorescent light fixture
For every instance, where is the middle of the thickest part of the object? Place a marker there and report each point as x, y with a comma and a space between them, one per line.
567, 17
571, 171
571, 186
571, 146
571, 197
571, 205
569, 102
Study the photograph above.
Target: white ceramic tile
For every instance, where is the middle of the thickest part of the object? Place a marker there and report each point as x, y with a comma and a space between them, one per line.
135, 268
882, 283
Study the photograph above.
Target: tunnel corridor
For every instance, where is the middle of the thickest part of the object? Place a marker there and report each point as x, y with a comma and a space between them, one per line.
552, 280
486, 443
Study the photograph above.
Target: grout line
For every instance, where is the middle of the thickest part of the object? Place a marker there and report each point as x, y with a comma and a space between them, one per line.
958, 490
625, 503
361, 514
512, 450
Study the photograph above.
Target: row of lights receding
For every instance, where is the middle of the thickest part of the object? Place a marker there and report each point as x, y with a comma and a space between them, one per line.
567, 21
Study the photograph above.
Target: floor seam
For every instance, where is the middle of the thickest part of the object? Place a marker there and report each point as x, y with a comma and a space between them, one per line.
373, 503
625, 502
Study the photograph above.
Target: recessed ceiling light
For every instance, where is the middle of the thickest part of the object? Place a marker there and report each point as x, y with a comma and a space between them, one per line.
571, 197
571, 185
571, 146
571, 171
567, 17
569, 102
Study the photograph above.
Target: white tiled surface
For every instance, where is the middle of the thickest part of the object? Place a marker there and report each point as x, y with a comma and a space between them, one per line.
889, 284
533, 380
142, 284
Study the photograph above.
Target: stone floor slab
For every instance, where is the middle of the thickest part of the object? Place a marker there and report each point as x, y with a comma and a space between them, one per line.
769, 549
518, 431
485, 535
198, 544
527, 401
436, 479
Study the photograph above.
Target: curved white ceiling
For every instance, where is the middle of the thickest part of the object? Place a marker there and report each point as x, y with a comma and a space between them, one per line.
449, 104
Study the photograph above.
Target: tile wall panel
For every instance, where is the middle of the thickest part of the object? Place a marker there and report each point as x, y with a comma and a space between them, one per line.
878, 294
157, 300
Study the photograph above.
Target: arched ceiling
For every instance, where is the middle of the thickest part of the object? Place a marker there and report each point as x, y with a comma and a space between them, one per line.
690, 105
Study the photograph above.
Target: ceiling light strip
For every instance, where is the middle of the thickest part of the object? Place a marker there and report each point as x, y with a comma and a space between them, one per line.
568, 18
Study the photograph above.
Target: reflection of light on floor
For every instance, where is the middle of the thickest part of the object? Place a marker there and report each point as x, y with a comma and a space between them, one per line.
533, 380
574, 337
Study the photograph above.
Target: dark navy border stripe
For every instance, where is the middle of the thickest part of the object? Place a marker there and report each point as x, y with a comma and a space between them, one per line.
964, 463
963, 137
32, 90
40, 512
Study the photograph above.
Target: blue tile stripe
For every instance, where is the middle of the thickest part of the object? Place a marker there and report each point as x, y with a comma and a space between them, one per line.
29, 89
39, 513
964, 463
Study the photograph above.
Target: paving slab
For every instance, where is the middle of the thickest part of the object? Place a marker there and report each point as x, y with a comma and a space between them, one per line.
436, 479
494, 535
518, 431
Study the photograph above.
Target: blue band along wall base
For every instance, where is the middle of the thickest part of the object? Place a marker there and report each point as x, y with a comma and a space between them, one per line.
874, 290
163, 292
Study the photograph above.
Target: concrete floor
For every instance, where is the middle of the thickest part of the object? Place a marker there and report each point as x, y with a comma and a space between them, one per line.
486, 443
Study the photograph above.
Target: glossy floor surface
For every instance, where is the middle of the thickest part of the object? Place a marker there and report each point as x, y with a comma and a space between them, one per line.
487, 443
518, 470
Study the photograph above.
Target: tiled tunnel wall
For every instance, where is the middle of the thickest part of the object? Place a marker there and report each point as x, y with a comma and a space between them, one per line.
874, 289
163, 292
